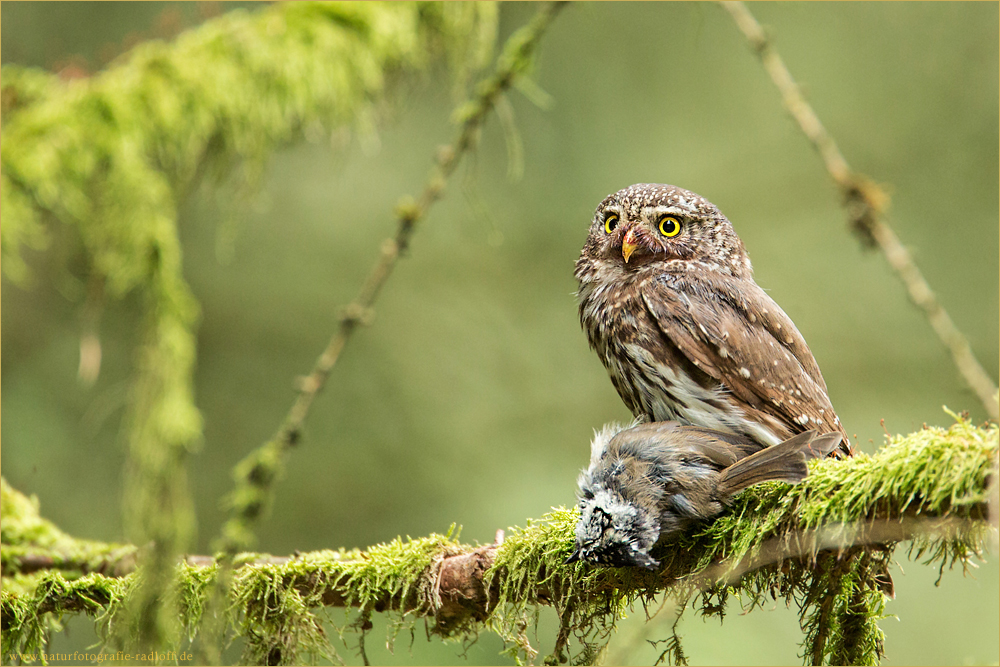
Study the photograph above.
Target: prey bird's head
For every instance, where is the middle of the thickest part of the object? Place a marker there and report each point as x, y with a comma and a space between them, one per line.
614, 532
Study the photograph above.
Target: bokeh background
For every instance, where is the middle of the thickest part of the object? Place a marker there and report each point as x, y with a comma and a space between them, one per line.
473, 396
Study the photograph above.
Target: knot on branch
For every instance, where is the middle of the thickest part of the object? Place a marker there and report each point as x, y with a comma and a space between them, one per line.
355, 314
408, 212
445, 157
866, 202
435, 188
457, 592
759, 42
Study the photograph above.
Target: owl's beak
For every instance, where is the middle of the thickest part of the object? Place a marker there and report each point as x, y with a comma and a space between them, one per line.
629, 244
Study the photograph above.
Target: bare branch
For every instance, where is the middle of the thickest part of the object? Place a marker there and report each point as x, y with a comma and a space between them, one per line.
866, 203
257, 472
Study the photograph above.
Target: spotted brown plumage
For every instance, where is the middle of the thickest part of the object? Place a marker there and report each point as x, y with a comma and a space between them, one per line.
668, 301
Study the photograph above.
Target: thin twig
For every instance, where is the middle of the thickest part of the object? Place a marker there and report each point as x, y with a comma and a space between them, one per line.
516, 57
514, 60
866, 203
258, 472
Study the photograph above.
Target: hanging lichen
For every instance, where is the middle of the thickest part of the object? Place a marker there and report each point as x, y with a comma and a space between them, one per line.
112, 156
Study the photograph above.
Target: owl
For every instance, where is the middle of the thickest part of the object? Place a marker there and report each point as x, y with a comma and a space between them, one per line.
668, 301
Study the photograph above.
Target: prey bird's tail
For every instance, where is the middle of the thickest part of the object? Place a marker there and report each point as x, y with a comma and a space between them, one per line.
785, 462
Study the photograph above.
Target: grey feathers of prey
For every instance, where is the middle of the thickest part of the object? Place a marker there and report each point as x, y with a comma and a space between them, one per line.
650, 481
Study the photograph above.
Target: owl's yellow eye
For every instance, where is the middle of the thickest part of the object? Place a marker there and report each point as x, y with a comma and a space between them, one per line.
670, 226
610, 222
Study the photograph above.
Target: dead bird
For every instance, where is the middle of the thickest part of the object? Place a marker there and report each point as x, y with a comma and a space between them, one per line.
648, 482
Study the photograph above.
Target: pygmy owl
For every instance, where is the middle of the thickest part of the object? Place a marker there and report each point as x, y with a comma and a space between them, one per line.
668, 301
652, 481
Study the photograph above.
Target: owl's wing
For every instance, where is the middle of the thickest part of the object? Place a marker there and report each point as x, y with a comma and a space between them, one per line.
738, 335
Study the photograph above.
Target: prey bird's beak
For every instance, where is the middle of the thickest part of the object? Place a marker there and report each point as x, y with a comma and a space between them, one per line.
629, 244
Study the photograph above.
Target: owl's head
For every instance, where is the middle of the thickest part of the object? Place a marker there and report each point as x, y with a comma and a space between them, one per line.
649, 224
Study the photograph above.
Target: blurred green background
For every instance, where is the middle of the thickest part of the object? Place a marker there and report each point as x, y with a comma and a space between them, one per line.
473, 396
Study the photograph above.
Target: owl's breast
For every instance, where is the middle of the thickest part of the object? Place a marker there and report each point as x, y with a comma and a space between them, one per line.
630, 345
652, 375
611, 313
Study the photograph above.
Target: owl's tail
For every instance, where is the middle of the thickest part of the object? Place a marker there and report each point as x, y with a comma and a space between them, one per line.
785, 462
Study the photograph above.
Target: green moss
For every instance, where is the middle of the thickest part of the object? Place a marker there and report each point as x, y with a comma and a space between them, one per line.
279, 621
934, 471
935, 474
22, 523
531, 566
27, 538
28, 618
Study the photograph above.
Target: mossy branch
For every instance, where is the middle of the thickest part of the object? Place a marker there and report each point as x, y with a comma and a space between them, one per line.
31, 543
823, 545
866, 203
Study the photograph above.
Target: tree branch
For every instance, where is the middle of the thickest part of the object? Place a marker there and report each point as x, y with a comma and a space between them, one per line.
866, 203
824, 544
